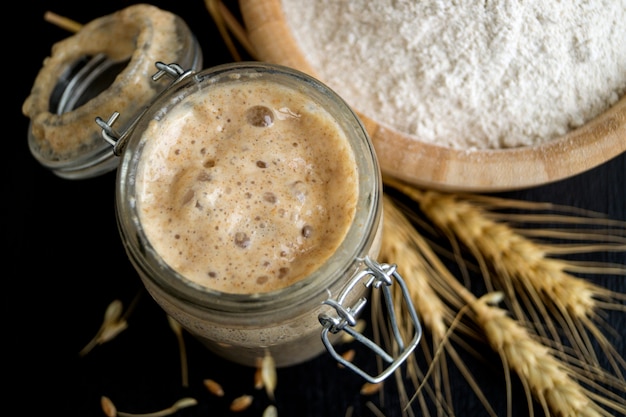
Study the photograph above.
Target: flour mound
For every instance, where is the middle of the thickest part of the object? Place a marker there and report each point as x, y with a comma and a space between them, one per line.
468, 76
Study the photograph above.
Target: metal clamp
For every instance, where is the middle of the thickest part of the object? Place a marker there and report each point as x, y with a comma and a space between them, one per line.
118, 140
378, 276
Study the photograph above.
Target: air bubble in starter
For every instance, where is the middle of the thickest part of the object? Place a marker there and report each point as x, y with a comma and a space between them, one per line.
260, 116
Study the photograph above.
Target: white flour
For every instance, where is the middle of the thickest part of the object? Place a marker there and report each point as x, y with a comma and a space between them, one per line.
498, 74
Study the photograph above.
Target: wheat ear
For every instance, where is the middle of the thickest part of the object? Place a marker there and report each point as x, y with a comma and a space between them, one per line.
541, 373
420, 267
535, 284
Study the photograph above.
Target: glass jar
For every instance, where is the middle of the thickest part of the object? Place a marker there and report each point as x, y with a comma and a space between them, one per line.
256, 229
103, 67
283, 321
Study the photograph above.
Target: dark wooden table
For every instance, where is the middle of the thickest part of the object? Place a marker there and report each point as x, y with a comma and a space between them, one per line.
66, 263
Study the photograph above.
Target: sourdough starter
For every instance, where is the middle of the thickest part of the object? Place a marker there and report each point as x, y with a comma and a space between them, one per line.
247, 189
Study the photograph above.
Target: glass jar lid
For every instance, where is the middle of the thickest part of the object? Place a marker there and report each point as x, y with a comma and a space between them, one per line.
102, 68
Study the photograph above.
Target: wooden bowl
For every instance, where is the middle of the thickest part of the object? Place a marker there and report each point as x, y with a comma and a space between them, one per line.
428, 165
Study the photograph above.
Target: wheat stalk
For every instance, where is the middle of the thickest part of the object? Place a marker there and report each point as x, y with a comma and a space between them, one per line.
540, 288
562, 384
551, 381
226, 24
421, 268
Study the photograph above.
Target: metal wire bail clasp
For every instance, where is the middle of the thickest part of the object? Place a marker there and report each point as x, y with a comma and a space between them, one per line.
118, 140
378, 276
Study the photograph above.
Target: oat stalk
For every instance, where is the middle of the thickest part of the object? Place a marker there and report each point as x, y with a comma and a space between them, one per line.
62, 22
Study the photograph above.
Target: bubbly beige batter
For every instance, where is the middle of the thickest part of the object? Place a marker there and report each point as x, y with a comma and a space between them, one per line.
247, 187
